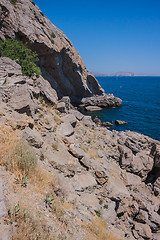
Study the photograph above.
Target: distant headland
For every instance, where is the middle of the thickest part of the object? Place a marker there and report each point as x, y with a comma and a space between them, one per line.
124, 74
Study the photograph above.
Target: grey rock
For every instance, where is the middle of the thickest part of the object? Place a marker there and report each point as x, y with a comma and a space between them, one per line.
10, 67
5, 232
33, 137
77, 114
76, 151
66, 129
67, 102
102, 100
87, 120
84, 181
142, 216
46, 90
70, 118
61, 107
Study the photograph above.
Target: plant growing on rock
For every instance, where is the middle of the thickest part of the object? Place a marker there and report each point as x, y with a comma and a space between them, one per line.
53, 35
98, 213
18, 51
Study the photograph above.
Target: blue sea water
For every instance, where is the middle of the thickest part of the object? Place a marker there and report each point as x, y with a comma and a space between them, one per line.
141, 104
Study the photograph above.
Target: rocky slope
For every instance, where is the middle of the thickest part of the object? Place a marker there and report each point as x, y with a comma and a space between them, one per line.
98, 184
60, 62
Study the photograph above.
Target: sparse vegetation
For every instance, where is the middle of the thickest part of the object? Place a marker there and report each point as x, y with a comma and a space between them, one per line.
16, 213
22, 159
13, 2
89, 140
101, 201
98, 213
22, 181
33, 3
16, 154
57, 120
18, 51
53, 35
42, 157
97, 229
55, 145
106, 206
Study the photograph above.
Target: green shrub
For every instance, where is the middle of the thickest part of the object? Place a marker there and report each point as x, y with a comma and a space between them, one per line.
13, 2
33, 3
18, 51
98, 213
53, 35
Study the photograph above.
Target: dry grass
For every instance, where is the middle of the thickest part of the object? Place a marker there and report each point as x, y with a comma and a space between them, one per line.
57, 120
98, 230
42, 181
32, 229
15, 153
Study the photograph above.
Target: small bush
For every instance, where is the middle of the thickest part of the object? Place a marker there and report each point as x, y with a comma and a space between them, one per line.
53, 35
55, 145
52, 41
98, 213
22, 159
33, 3
26, 58
13, 2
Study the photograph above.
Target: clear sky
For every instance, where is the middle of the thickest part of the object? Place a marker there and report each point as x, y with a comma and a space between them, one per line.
110, 35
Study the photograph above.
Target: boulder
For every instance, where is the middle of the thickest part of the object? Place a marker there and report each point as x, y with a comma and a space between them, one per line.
93, 108
82, 182
33, 137
21, 100
66, 129
118, 122
143, 230
76, 151
87, 120
70, 118
102, 100
61, 107
77, 114
47, 91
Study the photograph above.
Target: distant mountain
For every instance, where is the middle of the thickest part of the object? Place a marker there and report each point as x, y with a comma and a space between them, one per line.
124, 74
114, 74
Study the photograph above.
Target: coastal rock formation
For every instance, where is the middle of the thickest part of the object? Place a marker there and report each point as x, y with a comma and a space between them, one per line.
106, 183
60, 62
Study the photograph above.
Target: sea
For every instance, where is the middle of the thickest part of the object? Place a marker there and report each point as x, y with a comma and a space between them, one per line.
141, 104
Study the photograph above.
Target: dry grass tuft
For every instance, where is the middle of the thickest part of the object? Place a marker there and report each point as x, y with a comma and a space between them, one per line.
42, 181
15, 153
57, 120
32, 229
98, 230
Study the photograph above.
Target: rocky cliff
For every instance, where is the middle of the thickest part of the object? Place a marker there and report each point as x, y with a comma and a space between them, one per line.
60, 62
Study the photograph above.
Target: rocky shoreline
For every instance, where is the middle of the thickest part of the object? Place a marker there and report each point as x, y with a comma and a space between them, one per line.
113, 176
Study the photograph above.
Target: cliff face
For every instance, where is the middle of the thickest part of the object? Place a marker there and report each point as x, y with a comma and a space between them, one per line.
60, 62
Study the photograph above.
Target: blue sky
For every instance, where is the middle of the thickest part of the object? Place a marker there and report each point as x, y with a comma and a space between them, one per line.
111, 36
